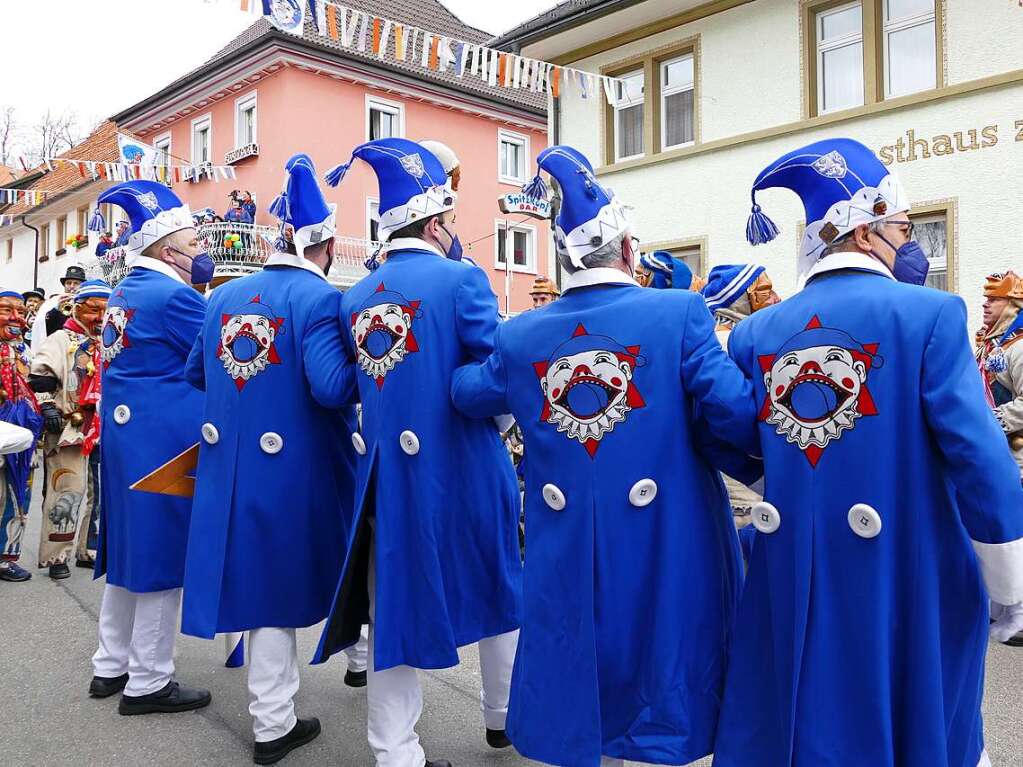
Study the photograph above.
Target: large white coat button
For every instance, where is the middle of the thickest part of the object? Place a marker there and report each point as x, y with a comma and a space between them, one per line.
122, 414
865, 521
642, 493
210, 434
358, 443
271, 443
553, 497
409, 442
766, 518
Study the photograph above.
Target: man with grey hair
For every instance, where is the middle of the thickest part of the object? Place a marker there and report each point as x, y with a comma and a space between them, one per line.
620, 656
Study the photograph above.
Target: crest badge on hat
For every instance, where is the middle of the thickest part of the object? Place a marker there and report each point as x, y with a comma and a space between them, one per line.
817, 387
589, 388
842, 184
413, 165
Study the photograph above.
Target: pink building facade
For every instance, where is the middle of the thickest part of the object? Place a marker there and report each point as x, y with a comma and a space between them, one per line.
269, 95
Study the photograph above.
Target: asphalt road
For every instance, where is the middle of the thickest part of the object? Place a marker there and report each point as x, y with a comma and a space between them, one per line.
48, 634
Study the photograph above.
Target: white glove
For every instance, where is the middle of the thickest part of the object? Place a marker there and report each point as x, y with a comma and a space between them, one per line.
1008, 623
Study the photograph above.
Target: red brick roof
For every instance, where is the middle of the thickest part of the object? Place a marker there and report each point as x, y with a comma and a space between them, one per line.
7, 175
101, 145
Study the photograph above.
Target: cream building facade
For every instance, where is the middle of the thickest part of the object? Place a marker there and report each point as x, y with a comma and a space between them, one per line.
715, 91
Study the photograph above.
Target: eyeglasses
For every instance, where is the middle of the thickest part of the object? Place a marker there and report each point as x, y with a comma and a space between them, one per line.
910, 227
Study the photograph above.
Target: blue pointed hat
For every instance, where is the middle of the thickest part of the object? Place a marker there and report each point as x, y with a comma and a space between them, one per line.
842, 184
412, 182
667, 271
92, 289
727, 283
590, 215
303, 206
155, 211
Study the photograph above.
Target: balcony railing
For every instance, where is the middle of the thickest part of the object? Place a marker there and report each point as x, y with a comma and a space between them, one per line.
241, 249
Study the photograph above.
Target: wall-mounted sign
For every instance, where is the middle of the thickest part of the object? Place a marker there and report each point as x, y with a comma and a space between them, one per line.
249, 150
912, 146
521, 204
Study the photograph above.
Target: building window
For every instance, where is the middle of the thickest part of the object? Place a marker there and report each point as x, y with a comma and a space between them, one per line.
373, 220
162, 145
202, 140
44, 242
840, 58
628, 115
932, 228
245, 121
678, 82
384, 119
693, 251
512, 157
910, 41
62, 233
520, 242
83, 220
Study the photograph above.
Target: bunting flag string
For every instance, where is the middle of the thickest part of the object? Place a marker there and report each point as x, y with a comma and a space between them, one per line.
10, 195
372, 34
167, 173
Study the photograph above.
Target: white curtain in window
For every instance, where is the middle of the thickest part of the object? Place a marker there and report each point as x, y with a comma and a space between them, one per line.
630, 131
842, 77
678, 118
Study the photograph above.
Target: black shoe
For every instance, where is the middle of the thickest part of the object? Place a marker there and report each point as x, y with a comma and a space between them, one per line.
13, 572
105, 686
170, 700
1015, 641
497, 739
273, 751
355, 678
60, 571
88, 564
441, 763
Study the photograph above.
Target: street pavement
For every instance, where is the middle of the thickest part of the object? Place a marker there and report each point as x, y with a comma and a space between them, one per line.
48, 634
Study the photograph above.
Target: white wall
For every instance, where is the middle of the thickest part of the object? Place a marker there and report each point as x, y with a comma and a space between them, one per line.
751, 80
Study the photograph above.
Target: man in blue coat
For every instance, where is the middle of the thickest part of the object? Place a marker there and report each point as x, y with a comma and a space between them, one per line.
632, 569
892, 507
271, 362
150, 415
434, 559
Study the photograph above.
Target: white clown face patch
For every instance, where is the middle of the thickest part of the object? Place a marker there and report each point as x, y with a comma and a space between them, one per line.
817, 387
382, 331
588, 386
247, 341
114, 336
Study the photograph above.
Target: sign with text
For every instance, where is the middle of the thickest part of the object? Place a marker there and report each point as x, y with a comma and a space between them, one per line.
518, 203
249, 150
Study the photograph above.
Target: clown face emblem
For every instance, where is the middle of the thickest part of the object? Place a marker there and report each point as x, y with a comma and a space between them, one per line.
247, 341
588, 386
382, 331
113, 335
817, 387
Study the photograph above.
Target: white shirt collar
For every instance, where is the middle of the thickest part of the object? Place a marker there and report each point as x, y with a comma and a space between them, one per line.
848, 260
287, 259
145, 262
412, 243
600, 275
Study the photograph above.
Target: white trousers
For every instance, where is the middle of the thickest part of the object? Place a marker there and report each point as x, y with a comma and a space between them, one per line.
395, 699
273, 682
607, 761
136, 636
358, 653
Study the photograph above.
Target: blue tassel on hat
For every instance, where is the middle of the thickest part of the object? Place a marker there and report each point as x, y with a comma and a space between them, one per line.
337, 174
279, 207
759, 228
536, 188
96, 222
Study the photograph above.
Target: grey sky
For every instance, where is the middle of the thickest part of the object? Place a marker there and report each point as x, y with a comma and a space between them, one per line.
97, 57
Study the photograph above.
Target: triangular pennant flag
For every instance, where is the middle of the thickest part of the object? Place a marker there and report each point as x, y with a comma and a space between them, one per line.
399, 42
378, 27
364, 31
320, 14
492, 68
556, 82
609, 89
347, 24
384, 35
434, 52
331, 18
425, 47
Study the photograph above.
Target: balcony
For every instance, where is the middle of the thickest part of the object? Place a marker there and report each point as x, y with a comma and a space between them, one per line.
250, 246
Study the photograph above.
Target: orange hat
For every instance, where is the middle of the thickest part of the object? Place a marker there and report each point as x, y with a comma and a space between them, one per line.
1004, 285
544, 286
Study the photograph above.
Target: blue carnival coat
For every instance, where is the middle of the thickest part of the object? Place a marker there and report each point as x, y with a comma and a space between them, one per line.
150, 415
274, 487
856, 651
440, 486
632, 566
